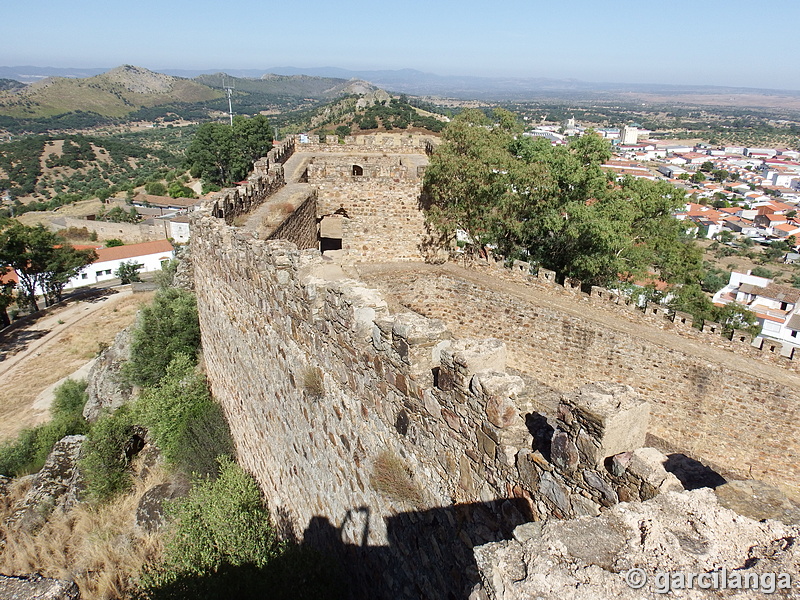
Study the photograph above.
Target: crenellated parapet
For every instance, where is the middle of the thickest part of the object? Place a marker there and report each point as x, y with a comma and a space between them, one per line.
374, 143
450, 407
659, 315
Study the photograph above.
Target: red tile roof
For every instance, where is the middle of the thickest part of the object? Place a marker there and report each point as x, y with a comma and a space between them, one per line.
133, 250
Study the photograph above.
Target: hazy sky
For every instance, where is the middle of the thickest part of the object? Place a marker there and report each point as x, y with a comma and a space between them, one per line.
718, 42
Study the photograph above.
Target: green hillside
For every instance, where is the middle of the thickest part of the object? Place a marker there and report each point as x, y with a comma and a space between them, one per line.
113, 94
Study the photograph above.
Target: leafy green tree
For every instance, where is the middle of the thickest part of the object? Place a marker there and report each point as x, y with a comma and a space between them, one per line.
128, 272
554, 205
6, 297
42, 261
707, 166
178, 190
735, 316
222, 154
117, 214
168, 327
698, 177
693, 300
155, 188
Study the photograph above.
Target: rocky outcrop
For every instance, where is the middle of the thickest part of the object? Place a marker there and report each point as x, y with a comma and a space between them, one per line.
57, 485
643, 550
36, 587
150, 513
106, 389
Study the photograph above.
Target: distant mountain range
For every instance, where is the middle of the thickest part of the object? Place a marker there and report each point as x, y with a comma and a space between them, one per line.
415, 82
123, 90
126, 89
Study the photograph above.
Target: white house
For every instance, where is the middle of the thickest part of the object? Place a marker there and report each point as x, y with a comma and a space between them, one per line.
775, 306
151, 255
179, 229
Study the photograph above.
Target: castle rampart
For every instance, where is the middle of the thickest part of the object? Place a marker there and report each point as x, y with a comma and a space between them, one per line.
424, 412
328, 392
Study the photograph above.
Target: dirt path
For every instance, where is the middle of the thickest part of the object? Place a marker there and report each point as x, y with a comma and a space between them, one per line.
55, 347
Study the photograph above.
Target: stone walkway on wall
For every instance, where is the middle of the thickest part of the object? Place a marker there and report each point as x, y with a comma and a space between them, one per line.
537, 296
294, 193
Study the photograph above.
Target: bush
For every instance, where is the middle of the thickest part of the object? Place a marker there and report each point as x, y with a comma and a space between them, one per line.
29, 451
104, 463
166, 328
222, 523
762, 272
184, 421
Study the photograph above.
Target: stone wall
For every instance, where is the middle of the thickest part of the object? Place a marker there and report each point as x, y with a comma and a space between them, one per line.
129, 232
737, 413
381, 435
267, 177
382, 204
300, 227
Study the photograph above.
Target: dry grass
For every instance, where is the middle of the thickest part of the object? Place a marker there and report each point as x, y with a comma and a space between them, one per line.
392, 478
313, 382
60, 356
98, 548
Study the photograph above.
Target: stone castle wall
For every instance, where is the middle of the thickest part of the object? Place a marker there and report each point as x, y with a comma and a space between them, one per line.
740, 415
358, 421
300, 227
382, 205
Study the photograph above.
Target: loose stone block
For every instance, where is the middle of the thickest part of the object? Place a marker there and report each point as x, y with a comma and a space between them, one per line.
611, 416
647, 464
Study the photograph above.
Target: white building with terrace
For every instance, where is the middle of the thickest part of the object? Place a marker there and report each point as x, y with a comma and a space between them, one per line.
777, 307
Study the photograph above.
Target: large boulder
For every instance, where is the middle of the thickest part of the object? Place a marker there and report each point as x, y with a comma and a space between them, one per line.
151, 513
636, 550
57, 485
36, 587
106, 389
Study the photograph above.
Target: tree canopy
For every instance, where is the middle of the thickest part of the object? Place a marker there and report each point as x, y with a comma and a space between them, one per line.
553, 205
222, 154
42, 260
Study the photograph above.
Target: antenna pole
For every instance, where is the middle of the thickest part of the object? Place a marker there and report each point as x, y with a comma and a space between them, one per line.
228, 92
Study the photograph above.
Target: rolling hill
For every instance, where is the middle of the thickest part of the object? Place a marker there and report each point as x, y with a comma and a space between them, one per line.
115, 93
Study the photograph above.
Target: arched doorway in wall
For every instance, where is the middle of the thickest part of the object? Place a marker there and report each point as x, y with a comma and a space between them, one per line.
358, 171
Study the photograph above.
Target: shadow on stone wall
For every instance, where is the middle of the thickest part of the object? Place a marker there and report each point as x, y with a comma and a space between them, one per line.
429, 555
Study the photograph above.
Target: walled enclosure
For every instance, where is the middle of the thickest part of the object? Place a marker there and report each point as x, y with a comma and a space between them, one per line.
370, 428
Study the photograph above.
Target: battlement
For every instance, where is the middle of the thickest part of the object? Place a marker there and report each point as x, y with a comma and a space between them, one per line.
394, 391
387, 143
678, 322
407, 372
